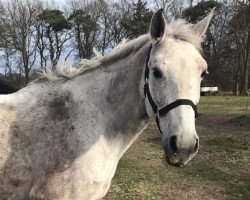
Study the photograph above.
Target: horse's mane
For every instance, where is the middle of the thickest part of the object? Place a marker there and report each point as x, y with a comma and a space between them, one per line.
178, 29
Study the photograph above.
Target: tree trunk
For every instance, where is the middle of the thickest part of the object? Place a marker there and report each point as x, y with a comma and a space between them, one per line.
246, 68
237, 79
79, 42
51, 47
26, 67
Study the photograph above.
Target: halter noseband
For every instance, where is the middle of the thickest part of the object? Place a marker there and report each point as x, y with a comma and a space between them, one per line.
163, 111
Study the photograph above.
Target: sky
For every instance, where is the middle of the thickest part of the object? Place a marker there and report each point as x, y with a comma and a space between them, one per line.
61, 5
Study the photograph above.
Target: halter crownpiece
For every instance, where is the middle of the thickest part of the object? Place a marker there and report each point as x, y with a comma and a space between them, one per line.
163, 111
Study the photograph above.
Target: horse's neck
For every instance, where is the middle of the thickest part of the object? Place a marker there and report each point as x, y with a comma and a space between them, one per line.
124, 96
114, 90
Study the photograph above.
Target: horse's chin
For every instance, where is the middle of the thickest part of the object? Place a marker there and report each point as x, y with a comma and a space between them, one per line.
177, 164
176, 161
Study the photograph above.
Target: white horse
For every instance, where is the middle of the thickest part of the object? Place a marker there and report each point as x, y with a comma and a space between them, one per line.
61, 137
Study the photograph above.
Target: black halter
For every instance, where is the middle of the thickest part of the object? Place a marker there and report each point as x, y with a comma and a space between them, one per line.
163, 111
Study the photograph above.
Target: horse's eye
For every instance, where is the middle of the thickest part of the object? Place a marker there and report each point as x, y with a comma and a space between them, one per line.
157, 72
204, 73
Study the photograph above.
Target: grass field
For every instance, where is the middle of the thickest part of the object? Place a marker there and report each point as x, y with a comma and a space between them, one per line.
220, 170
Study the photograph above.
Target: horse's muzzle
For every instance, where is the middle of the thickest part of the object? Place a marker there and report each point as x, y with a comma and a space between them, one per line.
177, 153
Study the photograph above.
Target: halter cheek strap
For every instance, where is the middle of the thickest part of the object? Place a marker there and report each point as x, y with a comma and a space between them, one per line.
163, 111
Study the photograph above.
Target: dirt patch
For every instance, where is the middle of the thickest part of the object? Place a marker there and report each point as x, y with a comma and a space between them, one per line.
198, 190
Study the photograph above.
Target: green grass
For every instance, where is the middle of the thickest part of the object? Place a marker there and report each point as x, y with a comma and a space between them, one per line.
224, 105
226, 144
221, 169
242, 189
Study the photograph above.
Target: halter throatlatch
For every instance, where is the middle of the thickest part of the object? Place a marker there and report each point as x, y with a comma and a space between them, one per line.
163, 111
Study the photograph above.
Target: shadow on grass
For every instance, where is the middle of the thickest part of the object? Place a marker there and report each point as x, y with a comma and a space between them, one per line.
242, 120
227, 144
204, 171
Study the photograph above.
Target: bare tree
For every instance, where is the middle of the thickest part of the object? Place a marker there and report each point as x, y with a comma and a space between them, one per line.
18, 21
240, 30
173, 8
161, 4
41, 43
105, 23
120, 11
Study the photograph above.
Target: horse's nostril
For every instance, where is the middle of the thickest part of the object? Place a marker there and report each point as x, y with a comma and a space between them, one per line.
173, 144
196, 145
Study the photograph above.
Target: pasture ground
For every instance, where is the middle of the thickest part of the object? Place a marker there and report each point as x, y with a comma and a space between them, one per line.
220, 170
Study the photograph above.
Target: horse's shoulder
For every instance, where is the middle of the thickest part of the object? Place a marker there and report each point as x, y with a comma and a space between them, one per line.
7, 116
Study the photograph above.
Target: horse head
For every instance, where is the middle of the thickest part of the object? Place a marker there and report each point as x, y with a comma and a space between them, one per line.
173, 74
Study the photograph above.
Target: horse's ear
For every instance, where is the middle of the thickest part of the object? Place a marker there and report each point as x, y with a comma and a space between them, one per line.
157, 25
201, 27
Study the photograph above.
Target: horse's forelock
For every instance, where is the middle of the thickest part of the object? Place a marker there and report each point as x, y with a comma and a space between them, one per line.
180, 29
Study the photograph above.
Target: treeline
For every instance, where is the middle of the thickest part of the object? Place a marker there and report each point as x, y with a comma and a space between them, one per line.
37, 34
